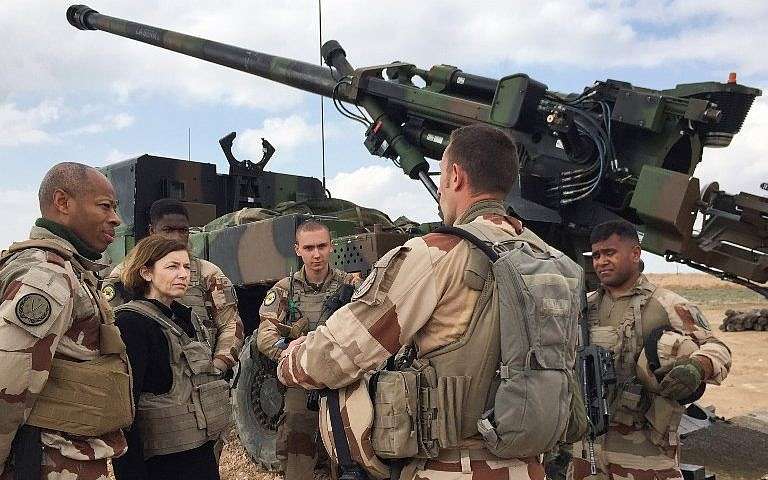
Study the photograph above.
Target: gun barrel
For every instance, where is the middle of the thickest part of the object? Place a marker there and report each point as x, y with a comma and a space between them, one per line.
302, 75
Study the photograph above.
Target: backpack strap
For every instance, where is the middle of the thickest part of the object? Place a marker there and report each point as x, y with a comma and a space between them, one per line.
464, 234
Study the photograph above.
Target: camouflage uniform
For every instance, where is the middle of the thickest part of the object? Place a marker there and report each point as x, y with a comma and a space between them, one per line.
419, 295
68, 327
642, 441
297, 431
211, 296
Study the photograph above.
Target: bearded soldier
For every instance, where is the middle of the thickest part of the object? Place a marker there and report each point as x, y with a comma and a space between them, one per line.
60, 354
210, 295
284, 316
664, 353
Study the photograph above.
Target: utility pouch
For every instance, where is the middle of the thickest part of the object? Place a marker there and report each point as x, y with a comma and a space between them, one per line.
216, 406
85, 398
664, 416
395, 405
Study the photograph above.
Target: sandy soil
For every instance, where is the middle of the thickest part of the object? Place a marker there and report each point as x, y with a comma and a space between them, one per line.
745, 390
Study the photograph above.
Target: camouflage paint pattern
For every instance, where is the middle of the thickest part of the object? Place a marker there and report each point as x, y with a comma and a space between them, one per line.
643, 440
70, 328
734, 220
667, 129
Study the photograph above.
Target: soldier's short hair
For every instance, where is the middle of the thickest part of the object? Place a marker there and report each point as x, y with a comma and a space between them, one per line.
72, 177
166, 206
145, 254
488, 155
621, 228
310, 226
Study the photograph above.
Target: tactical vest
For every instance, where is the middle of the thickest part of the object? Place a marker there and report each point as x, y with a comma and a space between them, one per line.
87, 398
455, 383
310, 304
197, 408
630, 402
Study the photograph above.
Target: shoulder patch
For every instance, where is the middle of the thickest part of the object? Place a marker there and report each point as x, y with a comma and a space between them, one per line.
270, 298
33, 309
109, 292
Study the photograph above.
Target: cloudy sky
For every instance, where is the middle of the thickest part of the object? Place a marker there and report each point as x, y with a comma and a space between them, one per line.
67, 95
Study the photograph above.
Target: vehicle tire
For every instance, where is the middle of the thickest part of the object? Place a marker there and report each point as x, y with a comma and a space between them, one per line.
257, 399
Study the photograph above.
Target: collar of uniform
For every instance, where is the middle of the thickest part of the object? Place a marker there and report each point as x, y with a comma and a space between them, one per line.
483, 207
301, 276
641, 285
41, 233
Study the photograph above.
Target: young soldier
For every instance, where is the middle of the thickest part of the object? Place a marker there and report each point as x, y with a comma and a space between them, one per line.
664, 351
427, 293
210, 295
313, 284
57, 338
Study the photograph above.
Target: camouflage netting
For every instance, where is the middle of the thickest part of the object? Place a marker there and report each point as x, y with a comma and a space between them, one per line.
366, 218
737, 321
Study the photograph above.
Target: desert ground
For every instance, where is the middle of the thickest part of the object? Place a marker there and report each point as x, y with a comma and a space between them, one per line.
744, 391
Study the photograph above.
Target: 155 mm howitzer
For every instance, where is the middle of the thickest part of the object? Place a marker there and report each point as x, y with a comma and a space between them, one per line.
613, 150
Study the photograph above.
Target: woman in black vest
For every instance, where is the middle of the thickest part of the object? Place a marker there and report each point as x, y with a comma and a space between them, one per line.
165, 441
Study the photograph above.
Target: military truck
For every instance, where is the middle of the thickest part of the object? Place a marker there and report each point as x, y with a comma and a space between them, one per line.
244, 222
613, 150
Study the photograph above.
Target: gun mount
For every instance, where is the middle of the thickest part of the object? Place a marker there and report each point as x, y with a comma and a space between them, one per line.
613, 150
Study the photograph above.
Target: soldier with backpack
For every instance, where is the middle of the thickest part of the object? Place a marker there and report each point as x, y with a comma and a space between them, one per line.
477, 326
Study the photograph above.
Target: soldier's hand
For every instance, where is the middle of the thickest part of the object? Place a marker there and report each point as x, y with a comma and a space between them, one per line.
684, 378
294, 343
298, 328
220, 365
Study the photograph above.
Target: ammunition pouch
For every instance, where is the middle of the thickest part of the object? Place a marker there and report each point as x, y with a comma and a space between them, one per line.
664, 417
417, 413
396, 428
88, 398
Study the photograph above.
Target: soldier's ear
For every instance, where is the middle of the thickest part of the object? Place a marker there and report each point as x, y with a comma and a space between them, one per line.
62, 201
146, 274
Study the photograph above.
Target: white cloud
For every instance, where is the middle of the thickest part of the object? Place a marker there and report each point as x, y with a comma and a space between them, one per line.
386, 188
23, 203
285, 134
27, 126
119, 121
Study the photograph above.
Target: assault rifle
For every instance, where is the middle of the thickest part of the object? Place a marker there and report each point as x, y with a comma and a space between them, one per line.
612, 151
282, 344
596, 372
